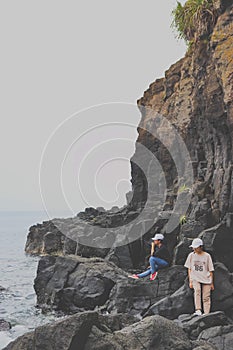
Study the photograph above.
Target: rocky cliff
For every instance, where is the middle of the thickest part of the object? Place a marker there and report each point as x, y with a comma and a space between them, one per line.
195, 97
187, 126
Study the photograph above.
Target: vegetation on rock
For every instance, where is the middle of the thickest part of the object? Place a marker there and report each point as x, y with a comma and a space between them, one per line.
193, 16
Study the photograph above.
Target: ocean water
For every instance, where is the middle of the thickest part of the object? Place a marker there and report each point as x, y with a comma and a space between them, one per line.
17, 273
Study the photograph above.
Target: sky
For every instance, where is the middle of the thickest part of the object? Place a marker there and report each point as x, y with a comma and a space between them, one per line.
71, 73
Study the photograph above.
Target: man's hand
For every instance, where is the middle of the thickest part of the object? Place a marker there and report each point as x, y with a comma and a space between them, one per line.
191, 284
212, 286
152, 248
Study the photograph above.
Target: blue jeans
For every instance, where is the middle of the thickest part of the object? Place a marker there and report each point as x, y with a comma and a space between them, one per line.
155, 265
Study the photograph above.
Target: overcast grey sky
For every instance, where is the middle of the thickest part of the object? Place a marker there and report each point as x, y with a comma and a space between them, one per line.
60, 57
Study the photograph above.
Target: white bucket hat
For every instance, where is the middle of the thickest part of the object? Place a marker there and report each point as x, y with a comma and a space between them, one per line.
158, 236
197, 242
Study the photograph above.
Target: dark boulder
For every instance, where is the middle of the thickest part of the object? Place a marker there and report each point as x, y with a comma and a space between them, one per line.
4, 325
195, 325
151, 333
136, 296
180, 302
219, 336
74, 283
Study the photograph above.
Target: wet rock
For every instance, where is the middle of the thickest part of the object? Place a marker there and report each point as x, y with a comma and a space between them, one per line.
60, 335
4, 325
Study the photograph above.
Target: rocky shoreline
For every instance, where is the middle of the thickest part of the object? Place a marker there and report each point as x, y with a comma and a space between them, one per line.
90, 330
107, 310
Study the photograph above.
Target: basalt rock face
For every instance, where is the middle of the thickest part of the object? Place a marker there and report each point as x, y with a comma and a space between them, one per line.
196, 97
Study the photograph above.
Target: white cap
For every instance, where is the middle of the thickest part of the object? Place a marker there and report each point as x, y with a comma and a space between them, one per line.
158, 236
197, 242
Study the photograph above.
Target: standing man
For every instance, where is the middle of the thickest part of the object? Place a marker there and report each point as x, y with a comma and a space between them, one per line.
200, 272
159, 258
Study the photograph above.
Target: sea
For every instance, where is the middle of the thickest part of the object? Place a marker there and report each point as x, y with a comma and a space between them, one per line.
17, 273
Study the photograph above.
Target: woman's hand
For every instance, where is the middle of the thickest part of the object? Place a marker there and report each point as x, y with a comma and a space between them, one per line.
191, 284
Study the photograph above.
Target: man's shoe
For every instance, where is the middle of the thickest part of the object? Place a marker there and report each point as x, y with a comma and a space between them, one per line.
134, 276
153, 276
198, 313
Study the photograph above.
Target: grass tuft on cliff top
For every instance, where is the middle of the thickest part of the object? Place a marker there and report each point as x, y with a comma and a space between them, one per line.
192, 15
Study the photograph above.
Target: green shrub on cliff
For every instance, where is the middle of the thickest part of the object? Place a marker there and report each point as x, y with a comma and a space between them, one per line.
194, 15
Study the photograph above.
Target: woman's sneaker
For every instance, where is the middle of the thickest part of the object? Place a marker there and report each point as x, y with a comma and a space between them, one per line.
198, 313
153, 276
134, 276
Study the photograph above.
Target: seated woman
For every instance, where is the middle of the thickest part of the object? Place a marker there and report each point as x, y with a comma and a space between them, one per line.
159, 258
